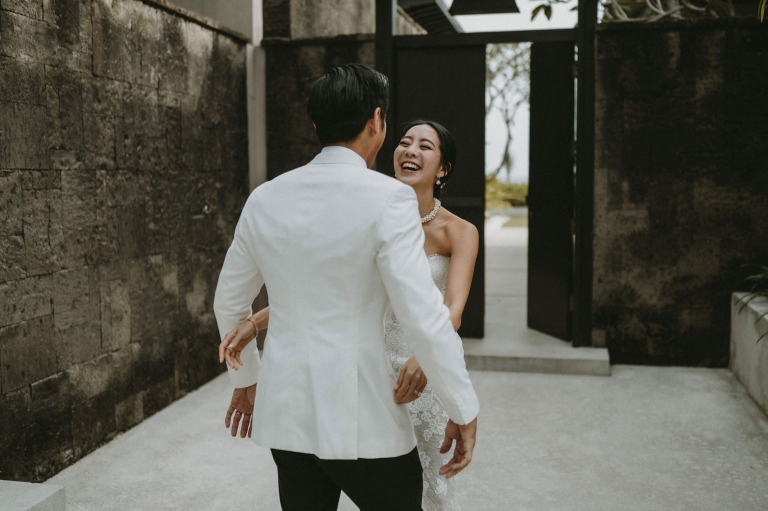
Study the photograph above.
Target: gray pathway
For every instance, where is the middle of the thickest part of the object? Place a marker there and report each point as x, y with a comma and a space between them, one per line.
645, 439
509, 345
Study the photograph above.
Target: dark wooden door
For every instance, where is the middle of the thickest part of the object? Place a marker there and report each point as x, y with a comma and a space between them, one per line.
550, 193
447, 85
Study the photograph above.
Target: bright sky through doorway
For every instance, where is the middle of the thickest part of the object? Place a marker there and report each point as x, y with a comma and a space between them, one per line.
562, 17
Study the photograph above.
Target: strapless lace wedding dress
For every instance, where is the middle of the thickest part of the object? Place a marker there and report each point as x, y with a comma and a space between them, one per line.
427, 413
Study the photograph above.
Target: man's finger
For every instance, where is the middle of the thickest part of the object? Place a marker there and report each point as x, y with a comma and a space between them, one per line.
448, 467
250, 427
456, 465
447, 442
462, 457
246, 425
455, 469
236, 423
230, 410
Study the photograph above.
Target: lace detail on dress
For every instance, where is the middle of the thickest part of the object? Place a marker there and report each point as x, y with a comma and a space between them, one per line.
427, 413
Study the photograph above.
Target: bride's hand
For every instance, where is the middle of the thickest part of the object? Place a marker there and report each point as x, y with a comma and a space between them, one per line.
235, 342
410, 383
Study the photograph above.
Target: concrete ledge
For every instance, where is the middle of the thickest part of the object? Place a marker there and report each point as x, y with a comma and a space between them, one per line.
749, 358
538, 365
538, 353
16, 496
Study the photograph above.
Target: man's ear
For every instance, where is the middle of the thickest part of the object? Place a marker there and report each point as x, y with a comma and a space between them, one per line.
378, 122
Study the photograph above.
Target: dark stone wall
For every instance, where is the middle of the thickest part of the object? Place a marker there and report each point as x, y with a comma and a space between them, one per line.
681, 186
123, 169
292, 68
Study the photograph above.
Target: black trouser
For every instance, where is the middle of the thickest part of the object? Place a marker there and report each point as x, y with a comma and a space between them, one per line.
308, 483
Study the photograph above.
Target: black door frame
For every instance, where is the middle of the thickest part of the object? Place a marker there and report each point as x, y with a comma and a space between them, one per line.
584, 37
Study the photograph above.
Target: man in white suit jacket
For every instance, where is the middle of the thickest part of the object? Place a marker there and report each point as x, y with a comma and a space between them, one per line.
336, 243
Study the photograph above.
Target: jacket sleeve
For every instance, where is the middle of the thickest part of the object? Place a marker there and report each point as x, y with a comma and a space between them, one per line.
419, 308
240, 281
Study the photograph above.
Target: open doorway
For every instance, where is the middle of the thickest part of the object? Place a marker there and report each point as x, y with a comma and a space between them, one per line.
447, 82
529, 190
507, 125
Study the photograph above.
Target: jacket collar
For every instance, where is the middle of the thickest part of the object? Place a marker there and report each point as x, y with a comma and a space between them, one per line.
339, 154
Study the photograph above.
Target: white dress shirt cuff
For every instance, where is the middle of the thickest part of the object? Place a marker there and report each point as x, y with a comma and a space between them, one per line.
468, 406
248, 373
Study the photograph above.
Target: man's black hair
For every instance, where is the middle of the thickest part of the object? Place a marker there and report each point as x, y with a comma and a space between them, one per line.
343, 100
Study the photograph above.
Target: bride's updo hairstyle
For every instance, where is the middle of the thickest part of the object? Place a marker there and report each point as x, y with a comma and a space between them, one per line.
447, 150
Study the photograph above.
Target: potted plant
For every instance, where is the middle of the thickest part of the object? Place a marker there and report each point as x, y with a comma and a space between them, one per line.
749, 325
758, 285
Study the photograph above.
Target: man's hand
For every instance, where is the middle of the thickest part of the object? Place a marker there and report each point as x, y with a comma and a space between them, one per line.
235, 342
465, 444
410, 383
242, 407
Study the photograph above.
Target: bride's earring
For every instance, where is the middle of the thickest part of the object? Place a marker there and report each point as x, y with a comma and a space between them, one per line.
438, 182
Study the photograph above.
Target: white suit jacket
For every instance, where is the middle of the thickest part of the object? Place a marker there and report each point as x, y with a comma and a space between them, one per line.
335, 243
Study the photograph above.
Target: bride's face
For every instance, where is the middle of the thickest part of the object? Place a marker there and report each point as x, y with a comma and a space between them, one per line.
417, 157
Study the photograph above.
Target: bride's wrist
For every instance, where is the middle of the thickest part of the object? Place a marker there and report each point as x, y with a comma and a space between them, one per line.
252, 320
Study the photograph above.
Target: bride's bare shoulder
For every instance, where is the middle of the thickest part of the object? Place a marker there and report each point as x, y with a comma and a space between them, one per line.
459, 230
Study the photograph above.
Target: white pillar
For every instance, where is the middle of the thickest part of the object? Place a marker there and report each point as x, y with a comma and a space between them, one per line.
257, 102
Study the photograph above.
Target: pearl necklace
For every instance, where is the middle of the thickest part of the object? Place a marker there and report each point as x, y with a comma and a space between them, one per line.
429, 216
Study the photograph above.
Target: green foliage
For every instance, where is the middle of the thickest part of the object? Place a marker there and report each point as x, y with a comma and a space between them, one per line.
504, 195
547, 9
654, 10
758, 288
761, 9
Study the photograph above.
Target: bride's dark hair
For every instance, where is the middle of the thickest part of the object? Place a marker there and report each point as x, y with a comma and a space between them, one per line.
447, 149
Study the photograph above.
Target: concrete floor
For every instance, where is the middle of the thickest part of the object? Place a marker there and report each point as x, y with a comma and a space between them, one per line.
644, 439
509, 345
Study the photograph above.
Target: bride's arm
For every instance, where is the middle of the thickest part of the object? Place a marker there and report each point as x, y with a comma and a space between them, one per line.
262, 318
464, 240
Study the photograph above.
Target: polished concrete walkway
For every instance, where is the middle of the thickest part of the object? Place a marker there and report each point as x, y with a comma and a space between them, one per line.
509, 345
645, 439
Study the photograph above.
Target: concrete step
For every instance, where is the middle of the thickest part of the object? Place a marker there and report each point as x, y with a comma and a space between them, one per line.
493, 354
16, 496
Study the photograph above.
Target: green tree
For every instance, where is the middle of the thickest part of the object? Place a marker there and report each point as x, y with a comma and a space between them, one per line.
652, 10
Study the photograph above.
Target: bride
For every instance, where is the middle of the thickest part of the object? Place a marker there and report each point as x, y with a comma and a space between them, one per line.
424, 159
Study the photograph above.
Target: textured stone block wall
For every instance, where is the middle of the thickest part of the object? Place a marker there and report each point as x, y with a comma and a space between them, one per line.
681, 186
303, 40
308, 19
123, 169
292, 69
